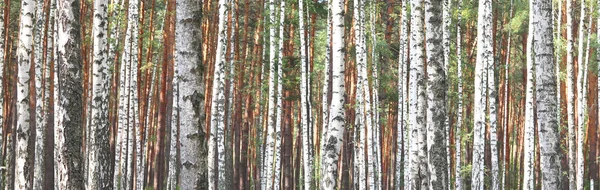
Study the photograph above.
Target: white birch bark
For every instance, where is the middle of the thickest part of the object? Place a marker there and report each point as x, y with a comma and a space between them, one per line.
1, 76
99, 152
570, 97
190, 92
278, 116
402, 160
459, 118
337, 120
547, 103
484, 58
173, 177
528, 141
417, 97
216, 141
305, 102
68, 129
130, 55
446, 43
40, 100
374, 158
359, 123
580, 97
325, 94
267, 176
25, 126
492, 114
437, 163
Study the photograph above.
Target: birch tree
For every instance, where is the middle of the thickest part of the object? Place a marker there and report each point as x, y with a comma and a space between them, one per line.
360, 118
68, 129
417, 125
271, 114
305, 102
528, 141
25, 127
459, 118
436, 96
580, 97
40, 100
99, 153
191, 88
402, 158
216, 141
547, 103
337, 120
278, 115
570, 97
484, 58
374, 142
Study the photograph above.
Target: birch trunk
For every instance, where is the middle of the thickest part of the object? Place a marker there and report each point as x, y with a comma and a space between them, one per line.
545, 96
190, 92
25, 136
337, 120
570, 97
130, 57
580, 97
40, 100
216, 141
418, 174
326, 92
305, 103
99, 153
528, 141
402, 154
68, 129
459, 117
375, 142
436, 96
278, 116
492, 114
268, 172
484, 58
360, 124
446, 42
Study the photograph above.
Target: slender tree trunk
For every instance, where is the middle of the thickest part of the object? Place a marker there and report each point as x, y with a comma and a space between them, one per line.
40, 100
360, 177
305, 103
459, 118
528, 141
25, 134
68, 129
570, 97
216, 141
506, 109
99, 152
545, 97
278, 116
402, 154
417, 97
375, 143
580, 97
268, 172
337, 120
436, 96
484, 58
